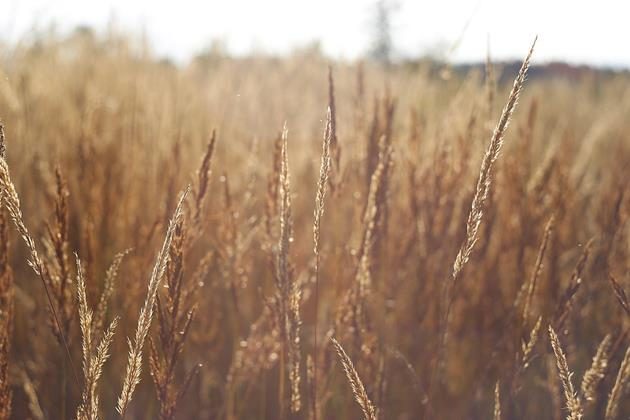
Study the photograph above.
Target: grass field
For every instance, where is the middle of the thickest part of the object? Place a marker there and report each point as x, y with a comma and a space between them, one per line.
293, 238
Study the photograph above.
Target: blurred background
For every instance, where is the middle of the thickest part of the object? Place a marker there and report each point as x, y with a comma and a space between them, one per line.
111, 108
591, 33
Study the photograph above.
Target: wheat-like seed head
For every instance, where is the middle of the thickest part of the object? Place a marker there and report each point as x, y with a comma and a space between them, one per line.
620, 294
134, 362
623, 377
531, 343
294, 348
322, 182
203, 177
98, 360
573, 401
476, 212
3, 147
289, 292
364, 276
6, 313
108, 289
11, 201
286, 228
485, 174
531, 285
360, 395
12, 204
497, 401
85, 319
594, 374
93, 361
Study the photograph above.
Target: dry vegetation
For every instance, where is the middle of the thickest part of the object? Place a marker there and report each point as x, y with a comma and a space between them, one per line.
396, 251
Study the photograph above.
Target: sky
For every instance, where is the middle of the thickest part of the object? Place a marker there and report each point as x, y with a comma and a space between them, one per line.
576, 31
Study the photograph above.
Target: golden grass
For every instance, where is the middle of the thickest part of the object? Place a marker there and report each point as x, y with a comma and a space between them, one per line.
134, 363
358, 389
435, 257
574, 406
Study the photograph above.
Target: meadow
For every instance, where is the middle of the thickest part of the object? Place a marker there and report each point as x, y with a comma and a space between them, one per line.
294, 238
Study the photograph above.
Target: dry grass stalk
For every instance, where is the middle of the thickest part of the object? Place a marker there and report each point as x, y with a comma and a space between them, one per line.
324, 172
553, 387
573, 401
594, 375
531, 343
12, 204
6, 305
134, 362
360, 395
288, 292
497, 402
531, 285
57, 258
352, 318
6, 316
108, 288
475, 215
94, 357
525, 358
273, 187
620, 294
230, 252
485, 173
3, 147
565, 303
618, 390
310, 386
28, 388
351, 313
286, 227
203, 177
294, 349
372, 209
175, 314
85, 322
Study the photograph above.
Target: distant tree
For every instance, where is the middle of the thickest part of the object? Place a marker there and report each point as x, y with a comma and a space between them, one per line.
382, 46
212, 54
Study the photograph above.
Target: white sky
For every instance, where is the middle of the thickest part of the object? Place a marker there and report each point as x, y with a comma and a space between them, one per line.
578, 31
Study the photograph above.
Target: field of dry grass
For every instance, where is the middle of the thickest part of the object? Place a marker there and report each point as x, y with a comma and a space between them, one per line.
259, 238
